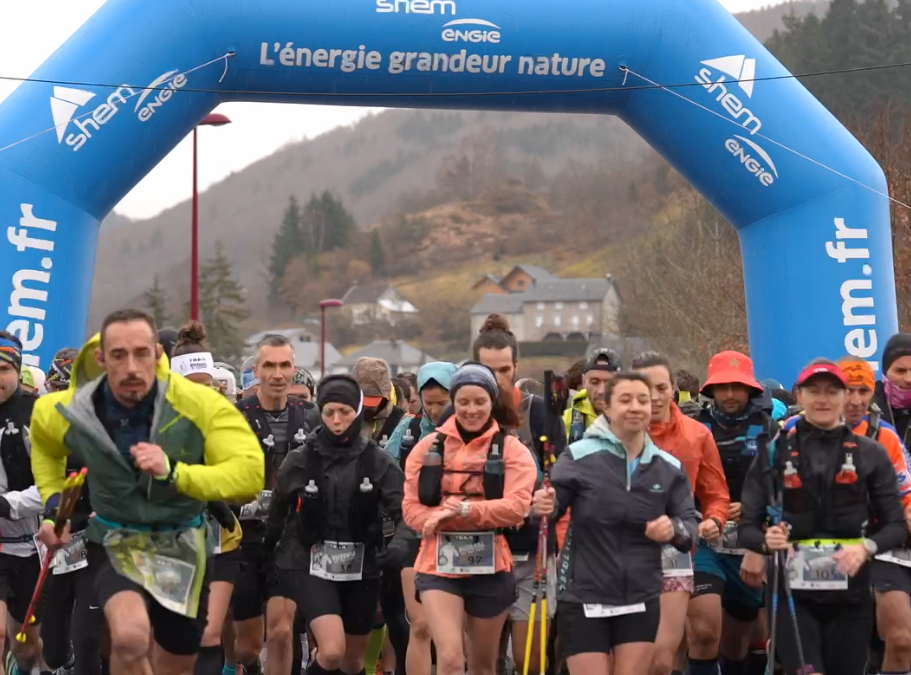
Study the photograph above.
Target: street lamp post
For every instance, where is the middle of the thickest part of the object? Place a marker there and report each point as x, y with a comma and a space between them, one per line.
324, 305
213, 120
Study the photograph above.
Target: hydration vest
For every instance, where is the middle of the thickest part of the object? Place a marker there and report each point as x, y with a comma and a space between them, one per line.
409, 440
840, 509
430, 479
299, 427
739, 446
365, 524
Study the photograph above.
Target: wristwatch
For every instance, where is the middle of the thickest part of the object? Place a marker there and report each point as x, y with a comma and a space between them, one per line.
871, 547
466, 508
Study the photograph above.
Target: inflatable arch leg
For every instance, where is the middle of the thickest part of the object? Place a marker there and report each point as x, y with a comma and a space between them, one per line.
816, 246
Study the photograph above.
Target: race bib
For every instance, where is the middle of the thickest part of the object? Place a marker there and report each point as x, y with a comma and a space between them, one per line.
812, 567
674, 563
265, 498
170, 566
67, 559
898, 556
466, 553
606, 611
337, 561
729, 543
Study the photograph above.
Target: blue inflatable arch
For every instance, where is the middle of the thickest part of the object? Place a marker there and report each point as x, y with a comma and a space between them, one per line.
816, 245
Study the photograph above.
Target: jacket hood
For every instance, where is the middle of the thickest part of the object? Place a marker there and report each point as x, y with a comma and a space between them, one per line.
600, 430
86, 367
440, 372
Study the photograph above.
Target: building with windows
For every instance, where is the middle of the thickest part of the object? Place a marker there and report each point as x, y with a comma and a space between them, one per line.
543, 308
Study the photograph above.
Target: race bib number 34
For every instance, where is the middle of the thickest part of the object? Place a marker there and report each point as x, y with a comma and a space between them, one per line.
466, 553
337, 561
674, 563
812, 568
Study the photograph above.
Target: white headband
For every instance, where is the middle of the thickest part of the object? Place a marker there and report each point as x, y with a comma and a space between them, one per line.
188, 364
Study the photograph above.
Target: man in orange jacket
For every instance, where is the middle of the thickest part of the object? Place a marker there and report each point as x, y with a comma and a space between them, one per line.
891, 581
692, 444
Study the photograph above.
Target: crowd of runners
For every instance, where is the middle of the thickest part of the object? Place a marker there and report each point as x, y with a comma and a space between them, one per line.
162, 512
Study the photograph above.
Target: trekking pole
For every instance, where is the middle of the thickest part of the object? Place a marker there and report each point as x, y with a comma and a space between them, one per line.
805, 668
773, 624
556, 398
72, 488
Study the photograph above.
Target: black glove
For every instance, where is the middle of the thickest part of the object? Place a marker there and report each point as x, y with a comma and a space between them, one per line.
690, 408
223, 514
392, 557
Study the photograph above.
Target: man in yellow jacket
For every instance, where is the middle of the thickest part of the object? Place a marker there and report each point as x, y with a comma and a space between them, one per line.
588, 403
157, 448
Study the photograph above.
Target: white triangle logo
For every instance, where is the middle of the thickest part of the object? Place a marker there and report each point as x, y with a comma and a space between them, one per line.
64, 103
739, 67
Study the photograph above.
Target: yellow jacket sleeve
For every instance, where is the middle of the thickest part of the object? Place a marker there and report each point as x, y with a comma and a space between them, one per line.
49, 452
234, 468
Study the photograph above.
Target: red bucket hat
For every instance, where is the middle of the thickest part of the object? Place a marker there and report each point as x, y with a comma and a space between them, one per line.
731, 368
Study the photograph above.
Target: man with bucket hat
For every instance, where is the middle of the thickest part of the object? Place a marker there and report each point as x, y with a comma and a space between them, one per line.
728, 577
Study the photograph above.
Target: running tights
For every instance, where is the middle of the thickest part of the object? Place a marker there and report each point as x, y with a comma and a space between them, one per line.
69, 613
392, 602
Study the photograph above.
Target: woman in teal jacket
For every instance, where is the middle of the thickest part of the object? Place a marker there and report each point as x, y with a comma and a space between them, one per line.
434, 380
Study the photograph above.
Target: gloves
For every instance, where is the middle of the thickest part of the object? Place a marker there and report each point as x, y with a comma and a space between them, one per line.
392, 557
223, 514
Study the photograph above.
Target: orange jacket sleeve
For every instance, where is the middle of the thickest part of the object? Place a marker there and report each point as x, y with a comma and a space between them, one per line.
562, 528
521, 474
896, 451
414, 513
711, 485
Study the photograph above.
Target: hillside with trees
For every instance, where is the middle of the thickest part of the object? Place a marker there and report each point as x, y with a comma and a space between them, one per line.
579, 195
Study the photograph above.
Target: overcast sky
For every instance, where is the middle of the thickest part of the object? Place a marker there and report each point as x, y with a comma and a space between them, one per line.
31, 31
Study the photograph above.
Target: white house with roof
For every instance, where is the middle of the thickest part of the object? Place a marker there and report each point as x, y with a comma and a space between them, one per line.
401, 357
377, 302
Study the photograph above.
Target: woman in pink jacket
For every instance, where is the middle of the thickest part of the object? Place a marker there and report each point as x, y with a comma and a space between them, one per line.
463, 485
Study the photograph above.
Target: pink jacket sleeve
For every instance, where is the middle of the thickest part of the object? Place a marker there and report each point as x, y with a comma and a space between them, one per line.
521, 474
415, 513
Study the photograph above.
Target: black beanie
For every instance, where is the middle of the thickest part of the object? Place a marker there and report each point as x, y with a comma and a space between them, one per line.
167, 337
339, 389
899, 345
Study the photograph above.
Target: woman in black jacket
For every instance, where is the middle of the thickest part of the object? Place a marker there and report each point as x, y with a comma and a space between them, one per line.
629, 501
333, 501
833, 497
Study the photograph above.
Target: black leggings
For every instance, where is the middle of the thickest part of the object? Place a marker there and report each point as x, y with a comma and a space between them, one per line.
392, 603
71, 614
834, 636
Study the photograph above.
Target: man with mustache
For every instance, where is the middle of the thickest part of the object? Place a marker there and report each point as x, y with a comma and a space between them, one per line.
157, 448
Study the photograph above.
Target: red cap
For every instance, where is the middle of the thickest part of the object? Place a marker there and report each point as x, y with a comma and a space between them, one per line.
372, 401
829, 369
731, 368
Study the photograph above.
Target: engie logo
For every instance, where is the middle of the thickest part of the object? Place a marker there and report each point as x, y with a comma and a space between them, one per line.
489, 32
743, 70
161, 91
416, 6
66, 102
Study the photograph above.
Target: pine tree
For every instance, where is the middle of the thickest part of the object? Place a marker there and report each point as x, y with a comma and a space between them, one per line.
377, 255
286, 245
326, 225
155, 300
222, 302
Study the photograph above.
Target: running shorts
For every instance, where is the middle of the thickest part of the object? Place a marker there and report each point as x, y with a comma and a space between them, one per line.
18, 577
249, 595
485, 595
890, 577
581, 635
354, 601
719, 574
524, 571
